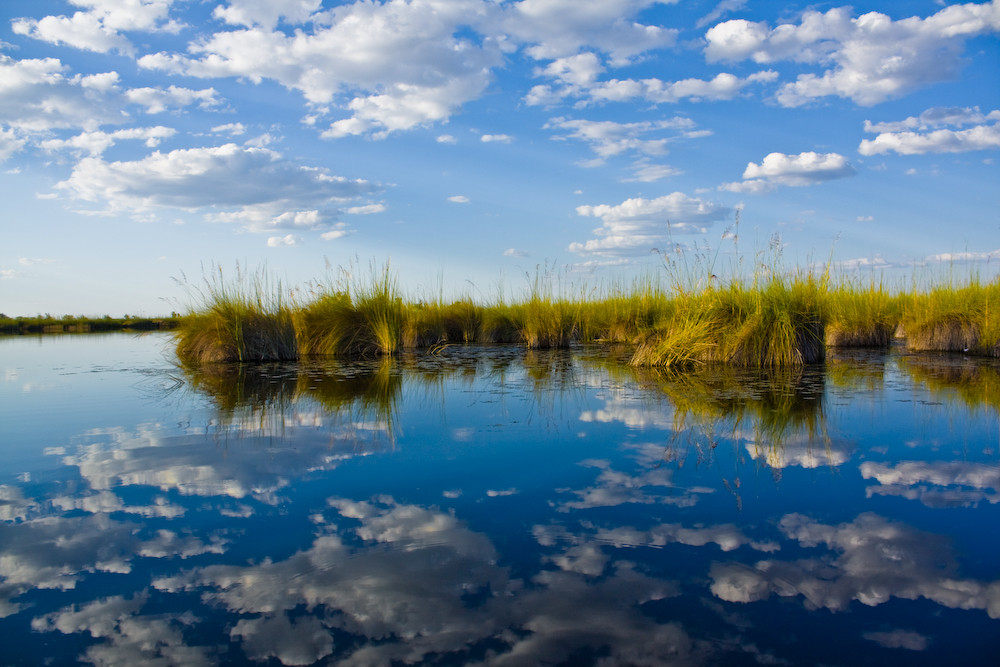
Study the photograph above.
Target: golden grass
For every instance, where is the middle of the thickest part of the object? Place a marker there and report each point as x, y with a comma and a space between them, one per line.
773, 320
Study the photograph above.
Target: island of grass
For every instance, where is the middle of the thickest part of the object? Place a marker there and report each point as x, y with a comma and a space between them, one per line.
770, 321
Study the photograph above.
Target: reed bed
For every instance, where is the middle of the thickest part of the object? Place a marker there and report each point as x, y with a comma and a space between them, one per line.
244, 319
773, 320
951, 318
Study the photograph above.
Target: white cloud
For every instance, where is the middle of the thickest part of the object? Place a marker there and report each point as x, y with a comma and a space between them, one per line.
799, 170
283, 241
936, 117
875, 262
266, 13
446, 139
579, 81
95, 143
869, 59
459, 199
638, 225
609, 138
10, 143
252, 186
158, 100
36, 95
392, 65
514, 252
558, 28
928, 134
234, 129
338, 230
496, 138
367, 209
99, 26
646, 172
966, 256
724, 7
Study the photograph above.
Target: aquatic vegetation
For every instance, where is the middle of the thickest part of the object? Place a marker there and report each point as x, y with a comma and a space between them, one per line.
954, 318
773, 323
242, 319
81, 323
861, 315
772, 320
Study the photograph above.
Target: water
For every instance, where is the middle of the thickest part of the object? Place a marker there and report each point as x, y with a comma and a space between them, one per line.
494, 506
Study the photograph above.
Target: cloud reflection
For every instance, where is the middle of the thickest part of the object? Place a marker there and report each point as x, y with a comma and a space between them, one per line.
873, 560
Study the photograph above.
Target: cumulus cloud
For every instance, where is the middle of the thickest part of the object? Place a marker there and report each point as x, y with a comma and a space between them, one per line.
558, 28
158, 100
266, 13
799, 170
95, 143
352, 57
37, 95
100, 25
868, 59
577, 77
254, 187
458, 199
638, 225
929, 133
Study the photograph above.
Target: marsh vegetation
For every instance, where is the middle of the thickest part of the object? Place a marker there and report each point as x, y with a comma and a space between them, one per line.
772, 319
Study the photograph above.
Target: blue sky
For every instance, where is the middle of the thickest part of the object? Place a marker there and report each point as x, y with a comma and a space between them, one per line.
470, 141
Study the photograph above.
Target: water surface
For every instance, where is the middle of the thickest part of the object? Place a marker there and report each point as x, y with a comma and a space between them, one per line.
494, 506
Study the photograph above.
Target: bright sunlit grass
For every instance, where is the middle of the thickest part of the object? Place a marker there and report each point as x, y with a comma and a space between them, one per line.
772, 320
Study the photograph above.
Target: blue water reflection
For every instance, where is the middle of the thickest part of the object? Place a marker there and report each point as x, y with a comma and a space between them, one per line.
494, 506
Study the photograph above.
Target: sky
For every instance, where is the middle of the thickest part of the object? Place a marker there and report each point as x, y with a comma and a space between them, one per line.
476, 144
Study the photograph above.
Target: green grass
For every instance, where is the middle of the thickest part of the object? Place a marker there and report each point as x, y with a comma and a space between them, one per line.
244, 319
772, 320
954, 318
82, 323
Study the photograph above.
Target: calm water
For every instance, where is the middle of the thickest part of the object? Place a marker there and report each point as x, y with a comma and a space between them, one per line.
494, 506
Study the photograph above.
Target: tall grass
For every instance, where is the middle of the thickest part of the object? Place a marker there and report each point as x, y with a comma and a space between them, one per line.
964, 318
245, 318
773, 319
861, 315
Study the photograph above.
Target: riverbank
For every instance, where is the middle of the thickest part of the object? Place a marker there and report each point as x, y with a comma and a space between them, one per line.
81, 324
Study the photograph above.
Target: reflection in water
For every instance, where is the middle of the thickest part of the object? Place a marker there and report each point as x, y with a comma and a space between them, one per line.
535, 508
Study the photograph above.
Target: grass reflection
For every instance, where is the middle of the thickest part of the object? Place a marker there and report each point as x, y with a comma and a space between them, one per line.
974, 383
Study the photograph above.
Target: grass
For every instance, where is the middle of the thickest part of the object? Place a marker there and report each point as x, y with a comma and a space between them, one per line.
245, 319
771, 320
81, 323
954, 318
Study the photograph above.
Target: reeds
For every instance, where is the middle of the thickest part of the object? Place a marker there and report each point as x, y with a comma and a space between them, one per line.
861, 315
772, 320
953, 318
243, 319
772, 323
